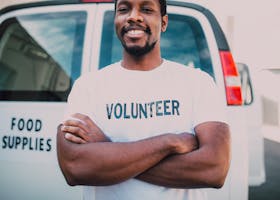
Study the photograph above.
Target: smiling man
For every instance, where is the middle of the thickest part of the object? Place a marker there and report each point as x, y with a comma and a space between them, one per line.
140, 34
148, 132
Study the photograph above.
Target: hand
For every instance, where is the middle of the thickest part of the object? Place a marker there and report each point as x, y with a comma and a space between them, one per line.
186, 143
81, 129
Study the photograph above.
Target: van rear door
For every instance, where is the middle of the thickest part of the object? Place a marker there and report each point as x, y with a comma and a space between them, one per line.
41, 52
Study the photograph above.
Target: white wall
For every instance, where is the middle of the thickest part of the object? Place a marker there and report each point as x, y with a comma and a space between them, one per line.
252, 28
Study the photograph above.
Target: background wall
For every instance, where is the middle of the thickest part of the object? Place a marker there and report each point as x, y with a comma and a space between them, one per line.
253, 32
252, 28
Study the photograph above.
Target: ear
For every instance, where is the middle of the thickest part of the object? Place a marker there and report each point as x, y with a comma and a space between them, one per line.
164, 23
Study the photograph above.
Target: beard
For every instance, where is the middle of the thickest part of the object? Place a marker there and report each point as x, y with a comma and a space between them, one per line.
139, 51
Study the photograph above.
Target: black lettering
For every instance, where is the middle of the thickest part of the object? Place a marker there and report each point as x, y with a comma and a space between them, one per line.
143, 110
175, 107
36, 143
41, 144
18, 140
109, 111
151, 108
29, 125
49, 148
158, 108
38, 125
118, 110
30, 144
125, 114
4, 140
21, 124
166, 107
13, 123
24, 142
11, 142
134, 110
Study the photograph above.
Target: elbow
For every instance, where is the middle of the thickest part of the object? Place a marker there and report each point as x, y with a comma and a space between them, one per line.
219, 174
222, 161
218, 182
216, 179
71, 176
71, 182
76, 172
69, 171
72, 170
68, 155
67, 160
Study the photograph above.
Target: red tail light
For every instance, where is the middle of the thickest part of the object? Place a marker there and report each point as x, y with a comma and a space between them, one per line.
232, 79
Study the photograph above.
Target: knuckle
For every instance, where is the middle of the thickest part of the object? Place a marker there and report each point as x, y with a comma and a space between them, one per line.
80, 132
78, 123
66, 122
64, 128
79, 116
76, 139
72, 137
84, 117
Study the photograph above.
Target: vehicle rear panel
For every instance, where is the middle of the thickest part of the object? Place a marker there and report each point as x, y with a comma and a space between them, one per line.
32, 108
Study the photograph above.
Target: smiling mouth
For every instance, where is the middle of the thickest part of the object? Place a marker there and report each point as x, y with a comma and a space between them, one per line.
135, 31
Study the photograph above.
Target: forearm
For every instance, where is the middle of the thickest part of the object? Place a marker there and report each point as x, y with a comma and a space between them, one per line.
106, 163
204, 167
192, 170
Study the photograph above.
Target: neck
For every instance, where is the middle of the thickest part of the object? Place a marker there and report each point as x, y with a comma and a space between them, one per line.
146, 62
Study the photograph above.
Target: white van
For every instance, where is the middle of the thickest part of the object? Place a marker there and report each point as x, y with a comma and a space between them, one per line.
45, 46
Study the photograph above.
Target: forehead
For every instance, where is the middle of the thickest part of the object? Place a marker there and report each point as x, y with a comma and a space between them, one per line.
138, 2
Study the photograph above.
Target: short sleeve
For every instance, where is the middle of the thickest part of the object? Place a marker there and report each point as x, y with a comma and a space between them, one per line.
78, 99
209, 104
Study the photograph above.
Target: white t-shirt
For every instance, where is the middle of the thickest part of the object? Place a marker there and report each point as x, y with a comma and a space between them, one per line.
130, 105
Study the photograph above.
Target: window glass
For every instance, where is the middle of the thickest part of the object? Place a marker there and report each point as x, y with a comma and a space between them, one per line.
40, 56
183, 42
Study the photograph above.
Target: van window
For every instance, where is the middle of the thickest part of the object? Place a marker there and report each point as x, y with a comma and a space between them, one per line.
40, 55
183, 42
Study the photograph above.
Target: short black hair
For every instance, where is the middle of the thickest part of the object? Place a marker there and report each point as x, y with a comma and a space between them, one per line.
162, 7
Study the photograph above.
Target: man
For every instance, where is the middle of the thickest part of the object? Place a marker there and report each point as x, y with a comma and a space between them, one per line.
141, 128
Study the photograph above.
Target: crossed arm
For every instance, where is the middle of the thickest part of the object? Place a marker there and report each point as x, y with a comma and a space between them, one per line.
88, 157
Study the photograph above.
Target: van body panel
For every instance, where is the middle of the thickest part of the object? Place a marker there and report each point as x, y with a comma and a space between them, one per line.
30, 126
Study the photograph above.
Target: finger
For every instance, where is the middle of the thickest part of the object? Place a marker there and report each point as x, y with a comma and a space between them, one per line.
74, 130
85, 119
75, 122
74, 139
59, 128
90, 124
191, 140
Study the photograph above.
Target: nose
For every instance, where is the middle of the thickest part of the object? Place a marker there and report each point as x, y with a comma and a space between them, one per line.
135, 16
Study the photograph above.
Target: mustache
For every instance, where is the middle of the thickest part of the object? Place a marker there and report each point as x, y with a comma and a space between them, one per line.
125, 29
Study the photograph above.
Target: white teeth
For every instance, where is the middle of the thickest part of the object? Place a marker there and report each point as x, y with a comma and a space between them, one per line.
135, 32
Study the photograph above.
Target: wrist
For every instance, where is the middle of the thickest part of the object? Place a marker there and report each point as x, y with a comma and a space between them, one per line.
181, 143
173, 143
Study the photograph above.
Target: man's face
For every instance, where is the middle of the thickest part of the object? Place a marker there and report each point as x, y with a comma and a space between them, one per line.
139, 24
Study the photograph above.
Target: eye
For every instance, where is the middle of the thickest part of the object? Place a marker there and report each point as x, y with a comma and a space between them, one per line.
122, 9
147, 9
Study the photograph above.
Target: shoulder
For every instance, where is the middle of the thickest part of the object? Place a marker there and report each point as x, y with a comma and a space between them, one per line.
92, 77
190, 72
110, 68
